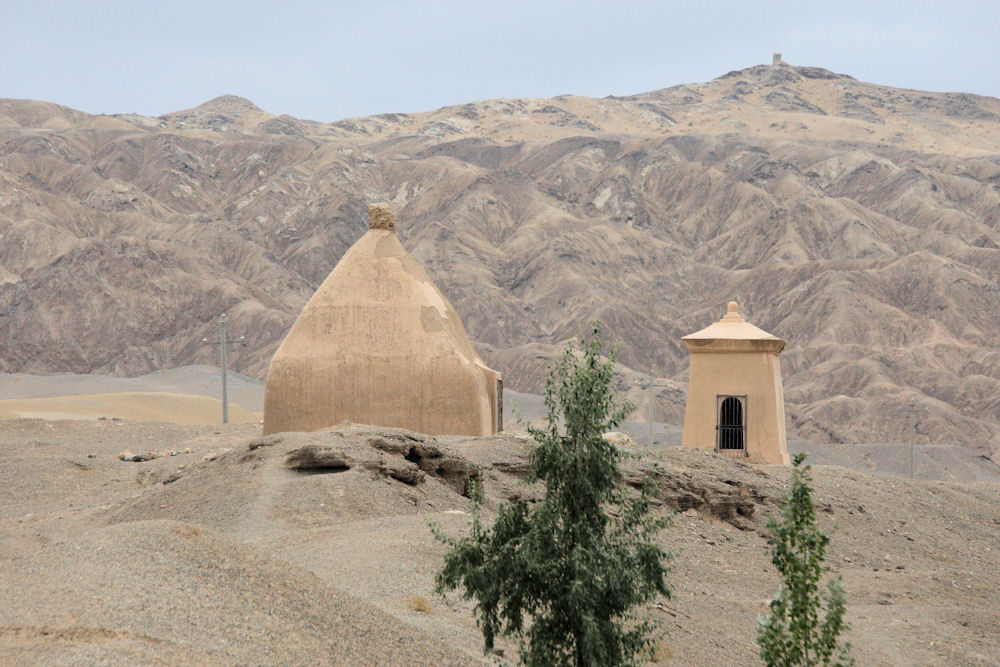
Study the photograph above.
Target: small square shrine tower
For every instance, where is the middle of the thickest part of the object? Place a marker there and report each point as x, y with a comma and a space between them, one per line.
735, 404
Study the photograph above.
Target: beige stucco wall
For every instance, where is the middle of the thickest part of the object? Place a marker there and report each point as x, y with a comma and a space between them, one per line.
379, 344
757, 374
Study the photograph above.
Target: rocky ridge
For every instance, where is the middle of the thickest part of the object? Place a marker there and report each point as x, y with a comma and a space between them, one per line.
857, 221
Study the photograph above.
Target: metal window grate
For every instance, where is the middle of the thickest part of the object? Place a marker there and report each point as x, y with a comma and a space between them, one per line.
499, 405
731, 425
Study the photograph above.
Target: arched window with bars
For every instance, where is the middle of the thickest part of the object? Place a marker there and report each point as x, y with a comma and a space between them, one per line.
731, 425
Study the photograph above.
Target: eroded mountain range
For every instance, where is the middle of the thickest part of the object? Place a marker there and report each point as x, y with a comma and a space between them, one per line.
859, 222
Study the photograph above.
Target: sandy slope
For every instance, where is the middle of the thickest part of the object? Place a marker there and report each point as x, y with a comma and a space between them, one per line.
187, 395
197, 380
228, 556
150, 592
142, 406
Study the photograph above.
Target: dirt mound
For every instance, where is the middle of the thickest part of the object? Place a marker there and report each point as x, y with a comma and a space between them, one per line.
306, 480
150, 592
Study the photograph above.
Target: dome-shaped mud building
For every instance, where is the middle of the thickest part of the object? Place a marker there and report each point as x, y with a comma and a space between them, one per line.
379, 344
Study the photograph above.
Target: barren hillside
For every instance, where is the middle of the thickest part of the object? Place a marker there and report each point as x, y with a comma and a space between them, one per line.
857, 221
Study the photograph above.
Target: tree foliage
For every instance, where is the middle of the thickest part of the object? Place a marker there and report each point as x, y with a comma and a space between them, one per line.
793, 634
565, 575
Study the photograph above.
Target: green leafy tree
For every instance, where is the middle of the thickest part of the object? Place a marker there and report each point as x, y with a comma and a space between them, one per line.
565, 575
793, 635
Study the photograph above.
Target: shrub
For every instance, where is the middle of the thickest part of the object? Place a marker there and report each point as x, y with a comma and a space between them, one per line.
565, 575
420, 603
793, 635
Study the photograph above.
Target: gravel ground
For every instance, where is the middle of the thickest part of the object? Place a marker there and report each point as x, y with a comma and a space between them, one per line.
223, 554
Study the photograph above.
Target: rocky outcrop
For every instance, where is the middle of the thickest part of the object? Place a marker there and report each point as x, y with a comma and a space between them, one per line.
403, 456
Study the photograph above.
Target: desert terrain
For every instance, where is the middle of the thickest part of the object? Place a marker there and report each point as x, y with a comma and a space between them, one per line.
857, 221
315, 548
188, 395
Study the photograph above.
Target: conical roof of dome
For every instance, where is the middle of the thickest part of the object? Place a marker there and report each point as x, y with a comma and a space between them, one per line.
378, 343
732, 327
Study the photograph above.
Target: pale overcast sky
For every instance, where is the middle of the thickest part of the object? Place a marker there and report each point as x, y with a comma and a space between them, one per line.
329, 60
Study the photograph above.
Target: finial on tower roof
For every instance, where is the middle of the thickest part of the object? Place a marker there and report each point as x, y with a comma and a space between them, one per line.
380, 217
732, 314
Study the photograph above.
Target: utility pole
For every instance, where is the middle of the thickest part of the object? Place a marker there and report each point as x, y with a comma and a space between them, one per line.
652, 384
912, 409
650, 407
913, 432
223, 343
